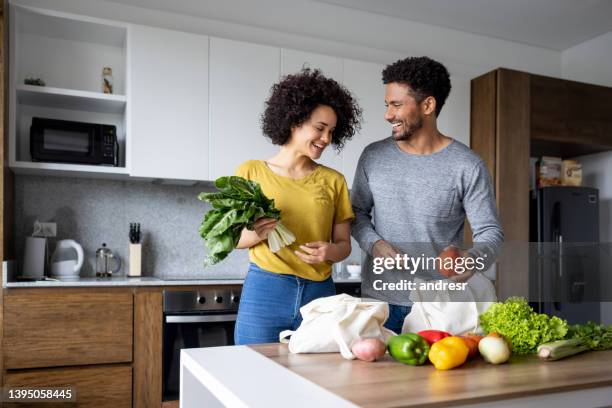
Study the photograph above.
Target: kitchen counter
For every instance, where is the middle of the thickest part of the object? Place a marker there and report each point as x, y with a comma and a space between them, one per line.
121, 281
268, 375
136, 281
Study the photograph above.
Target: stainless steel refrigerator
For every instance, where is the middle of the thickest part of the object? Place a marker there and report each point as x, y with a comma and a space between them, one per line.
564, 253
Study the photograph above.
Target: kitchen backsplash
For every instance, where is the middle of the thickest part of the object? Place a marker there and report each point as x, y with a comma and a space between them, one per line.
93, 211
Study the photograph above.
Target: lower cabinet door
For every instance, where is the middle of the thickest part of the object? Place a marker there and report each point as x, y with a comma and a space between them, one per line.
95, 386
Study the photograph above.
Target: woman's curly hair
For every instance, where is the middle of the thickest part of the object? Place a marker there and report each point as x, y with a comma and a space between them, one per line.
425, 76
295, 97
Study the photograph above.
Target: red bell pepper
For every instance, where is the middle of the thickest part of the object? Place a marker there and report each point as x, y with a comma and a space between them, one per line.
432, 336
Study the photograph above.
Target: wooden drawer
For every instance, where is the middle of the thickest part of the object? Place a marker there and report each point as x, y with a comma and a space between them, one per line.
67, 327
96, 386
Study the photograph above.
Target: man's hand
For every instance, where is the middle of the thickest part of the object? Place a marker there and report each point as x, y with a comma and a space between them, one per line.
467, 274
382, 249
463, 277
315, 252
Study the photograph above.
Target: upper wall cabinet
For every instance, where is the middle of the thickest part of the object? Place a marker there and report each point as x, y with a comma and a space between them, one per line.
169, 115
293, 61
241, 75
569, 118
363, 80
56, 63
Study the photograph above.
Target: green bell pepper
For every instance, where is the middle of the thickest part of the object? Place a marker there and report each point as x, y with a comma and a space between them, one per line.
408, 348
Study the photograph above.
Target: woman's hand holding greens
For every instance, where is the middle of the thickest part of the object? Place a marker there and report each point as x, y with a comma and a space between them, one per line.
261, 228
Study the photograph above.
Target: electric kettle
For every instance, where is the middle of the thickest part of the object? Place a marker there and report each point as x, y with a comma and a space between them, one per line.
67, 259
105, 258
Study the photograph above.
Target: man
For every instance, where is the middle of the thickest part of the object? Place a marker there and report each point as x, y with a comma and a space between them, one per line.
413, 191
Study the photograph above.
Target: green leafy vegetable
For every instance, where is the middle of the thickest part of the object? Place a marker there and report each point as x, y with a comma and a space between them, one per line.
237, 204
594, 336
525, 329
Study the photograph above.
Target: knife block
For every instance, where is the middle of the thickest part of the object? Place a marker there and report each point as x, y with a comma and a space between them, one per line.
135, 257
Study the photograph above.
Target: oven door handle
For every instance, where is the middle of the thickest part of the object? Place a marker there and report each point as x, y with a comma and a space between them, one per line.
201, 318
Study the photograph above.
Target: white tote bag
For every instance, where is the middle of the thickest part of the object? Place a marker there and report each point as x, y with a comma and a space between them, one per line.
333, 323
452, 311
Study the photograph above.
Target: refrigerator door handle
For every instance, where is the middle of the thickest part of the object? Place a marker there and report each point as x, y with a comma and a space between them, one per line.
560, 240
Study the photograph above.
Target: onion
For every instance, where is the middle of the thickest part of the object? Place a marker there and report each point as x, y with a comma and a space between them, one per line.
494, 350
369, 349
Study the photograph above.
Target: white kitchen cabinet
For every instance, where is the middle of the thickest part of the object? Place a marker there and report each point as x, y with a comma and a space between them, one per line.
241, 75
292, 61
169, 116
363, 79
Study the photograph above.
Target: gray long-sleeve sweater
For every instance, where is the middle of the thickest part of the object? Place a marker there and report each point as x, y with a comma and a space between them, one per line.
419, 203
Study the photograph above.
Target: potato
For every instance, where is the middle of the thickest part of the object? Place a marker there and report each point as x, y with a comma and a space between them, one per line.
369, 349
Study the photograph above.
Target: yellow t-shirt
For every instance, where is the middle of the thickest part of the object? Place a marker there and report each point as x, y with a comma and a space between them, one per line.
309, 206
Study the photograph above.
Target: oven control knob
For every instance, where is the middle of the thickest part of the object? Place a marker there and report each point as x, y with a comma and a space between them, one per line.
219, 299
235, 298
202, 300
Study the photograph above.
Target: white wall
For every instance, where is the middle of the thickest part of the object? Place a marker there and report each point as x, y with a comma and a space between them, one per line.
337, 31
591, 62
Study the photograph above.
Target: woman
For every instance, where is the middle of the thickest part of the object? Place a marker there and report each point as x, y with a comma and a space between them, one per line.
305, 113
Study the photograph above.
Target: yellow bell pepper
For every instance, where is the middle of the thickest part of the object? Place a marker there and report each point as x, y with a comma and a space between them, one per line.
450, 352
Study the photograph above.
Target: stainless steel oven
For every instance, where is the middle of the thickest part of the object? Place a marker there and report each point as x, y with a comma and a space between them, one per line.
202, 318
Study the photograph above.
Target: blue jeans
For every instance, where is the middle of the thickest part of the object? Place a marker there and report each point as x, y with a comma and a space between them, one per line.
270, 303
397, 314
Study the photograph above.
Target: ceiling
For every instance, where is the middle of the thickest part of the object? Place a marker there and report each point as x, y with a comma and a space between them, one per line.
553, 24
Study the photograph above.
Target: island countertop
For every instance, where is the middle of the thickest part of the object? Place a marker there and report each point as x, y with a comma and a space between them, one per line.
582, 380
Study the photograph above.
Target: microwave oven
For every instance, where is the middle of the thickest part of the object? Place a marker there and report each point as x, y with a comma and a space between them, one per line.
53, 140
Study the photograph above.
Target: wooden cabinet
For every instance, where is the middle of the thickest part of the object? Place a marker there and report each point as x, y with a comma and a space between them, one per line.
241, 75
514, 116
569, 118
169, 115
70, 337
67, 327
105, 386
148, 320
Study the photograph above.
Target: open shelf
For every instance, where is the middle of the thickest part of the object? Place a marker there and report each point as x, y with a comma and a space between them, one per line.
69, 53
70, 99
67, 169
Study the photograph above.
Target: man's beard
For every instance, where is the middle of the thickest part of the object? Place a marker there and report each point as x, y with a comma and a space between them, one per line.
412, 128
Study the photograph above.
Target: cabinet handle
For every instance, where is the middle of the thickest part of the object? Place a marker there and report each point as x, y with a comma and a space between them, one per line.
201, 318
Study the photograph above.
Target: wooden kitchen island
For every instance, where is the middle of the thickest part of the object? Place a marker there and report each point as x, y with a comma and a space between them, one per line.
268, 375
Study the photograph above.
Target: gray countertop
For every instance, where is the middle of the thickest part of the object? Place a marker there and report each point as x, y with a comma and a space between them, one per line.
120, 281
140, 281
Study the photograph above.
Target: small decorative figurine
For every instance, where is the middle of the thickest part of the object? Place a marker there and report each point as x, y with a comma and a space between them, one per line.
107, 80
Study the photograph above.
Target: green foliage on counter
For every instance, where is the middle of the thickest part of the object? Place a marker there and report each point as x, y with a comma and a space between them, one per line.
237, 204
594, 336
521, 326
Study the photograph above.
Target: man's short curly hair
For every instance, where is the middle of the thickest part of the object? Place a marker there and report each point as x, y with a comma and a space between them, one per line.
295, 97
425, 76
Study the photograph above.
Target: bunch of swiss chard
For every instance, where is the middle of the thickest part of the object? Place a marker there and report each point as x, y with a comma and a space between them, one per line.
237, 204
